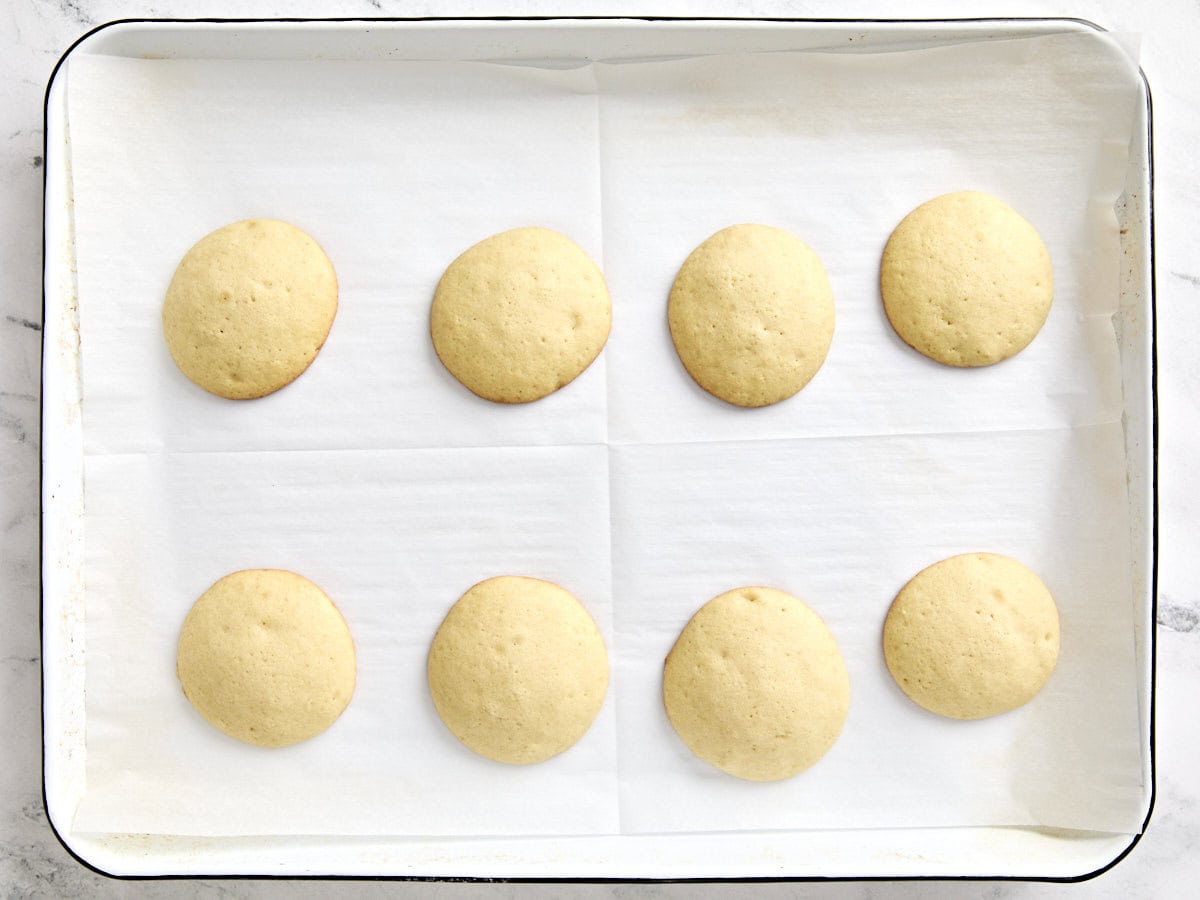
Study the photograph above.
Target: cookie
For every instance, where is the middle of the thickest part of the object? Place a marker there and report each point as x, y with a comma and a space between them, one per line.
249, 308
965, 280
518, 669
756, 685
520, 315
266, 657
972, 636
751, 315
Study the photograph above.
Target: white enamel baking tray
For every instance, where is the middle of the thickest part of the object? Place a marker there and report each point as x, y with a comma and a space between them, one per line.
1020, 853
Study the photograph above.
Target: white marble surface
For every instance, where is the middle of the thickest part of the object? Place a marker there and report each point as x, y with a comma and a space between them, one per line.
34, 33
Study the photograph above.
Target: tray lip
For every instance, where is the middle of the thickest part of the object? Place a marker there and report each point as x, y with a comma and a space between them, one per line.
1152, 474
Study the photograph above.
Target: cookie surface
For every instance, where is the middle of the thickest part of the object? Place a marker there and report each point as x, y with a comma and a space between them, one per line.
751, 315
756, 685
966, 280
266, 657
520, 315
518, 670
972, 636
249, 308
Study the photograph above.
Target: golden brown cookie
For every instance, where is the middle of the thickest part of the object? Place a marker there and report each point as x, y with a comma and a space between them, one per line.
756, 685
972, 636
266, 657
965, 280
751, 315
520, 315
518, 670
249, 308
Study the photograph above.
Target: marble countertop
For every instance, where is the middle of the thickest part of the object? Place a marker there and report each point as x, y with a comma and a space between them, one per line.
35, 33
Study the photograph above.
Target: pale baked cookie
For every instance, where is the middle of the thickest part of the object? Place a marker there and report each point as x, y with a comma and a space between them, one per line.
249, 308
972, 636
751, 315
266, 657
520, 315
756, 685
965, 280
518, 670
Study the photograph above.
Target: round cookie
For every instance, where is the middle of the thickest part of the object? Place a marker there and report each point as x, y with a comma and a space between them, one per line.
751, 315
249, 308
266, 657
518, 670
965, 280
756, 685
520, 315
972, 636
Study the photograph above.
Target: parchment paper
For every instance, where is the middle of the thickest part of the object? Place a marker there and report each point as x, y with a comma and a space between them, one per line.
379, 477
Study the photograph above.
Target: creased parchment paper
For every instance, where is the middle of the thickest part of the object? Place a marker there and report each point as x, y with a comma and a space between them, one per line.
380, 478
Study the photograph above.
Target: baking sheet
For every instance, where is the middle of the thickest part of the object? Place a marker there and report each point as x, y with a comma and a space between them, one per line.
599, 152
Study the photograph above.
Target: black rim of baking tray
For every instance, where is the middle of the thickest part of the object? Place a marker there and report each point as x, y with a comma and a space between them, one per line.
619, 880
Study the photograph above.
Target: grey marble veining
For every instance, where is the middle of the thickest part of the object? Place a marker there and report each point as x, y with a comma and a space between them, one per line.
1177, 616
33, 34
